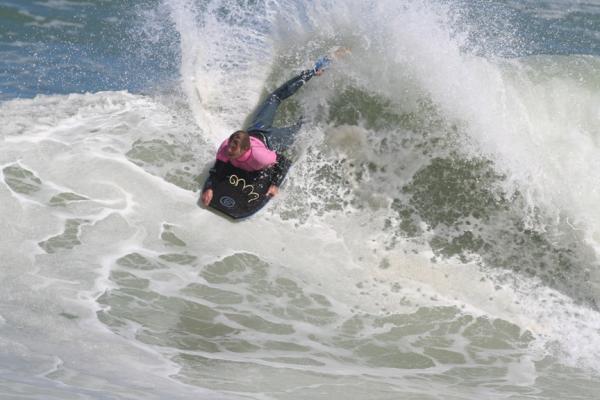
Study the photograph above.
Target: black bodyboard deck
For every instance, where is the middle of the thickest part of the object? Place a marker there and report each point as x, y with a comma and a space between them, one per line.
240, 194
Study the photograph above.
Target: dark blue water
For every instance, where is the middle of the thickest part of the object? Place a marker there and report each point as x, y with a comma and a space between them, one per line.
66, 46
59, 47
526, 27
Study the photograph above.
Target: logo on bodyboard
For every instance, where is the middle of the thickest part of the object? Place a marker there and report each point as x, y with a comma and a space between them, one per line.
236, 181
227, 202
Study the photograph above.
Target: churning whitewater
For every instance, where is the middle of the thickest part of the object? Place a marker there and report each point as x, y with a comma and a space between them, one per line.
436, 238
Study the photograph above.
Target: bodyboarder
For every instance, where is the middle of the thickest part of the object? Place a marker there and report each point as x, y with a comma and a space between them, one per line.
258, 149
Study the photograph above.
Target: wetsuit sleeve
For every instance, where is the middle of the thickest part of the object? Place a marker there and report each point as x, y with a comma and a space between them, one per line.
216, 173
279, 170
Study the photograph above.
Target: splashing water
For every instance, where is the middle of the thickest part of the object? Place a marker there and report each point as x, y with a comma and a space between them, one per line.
436, 237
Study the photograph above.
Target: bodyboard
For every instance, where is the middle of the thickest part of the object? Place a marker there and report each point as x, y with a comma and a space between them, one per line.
239, 194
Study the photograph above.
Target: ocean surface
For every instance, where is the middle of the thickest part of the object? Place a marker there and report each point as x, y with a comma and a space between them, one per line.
436, 239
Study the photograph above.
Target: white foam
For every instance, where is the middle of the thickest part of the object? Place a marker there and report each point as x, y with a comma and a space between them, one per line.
222, 77
69, 280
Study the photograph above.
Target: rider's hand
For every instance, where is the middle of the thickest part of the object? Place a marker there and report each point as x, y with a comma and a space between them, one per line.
207, 196
273, 190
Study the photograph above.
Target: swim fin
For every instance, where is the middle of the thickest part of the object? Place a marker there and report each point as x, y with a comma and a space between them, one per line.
325, 62
322, 63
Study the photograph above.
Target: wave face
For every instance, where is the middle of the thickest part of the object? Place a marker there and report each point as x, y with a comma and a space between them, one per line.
437, 236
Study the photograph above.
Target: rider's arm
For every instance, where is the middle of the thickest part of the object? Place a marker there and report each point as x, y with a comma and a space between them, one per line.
215, 174
279, 170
